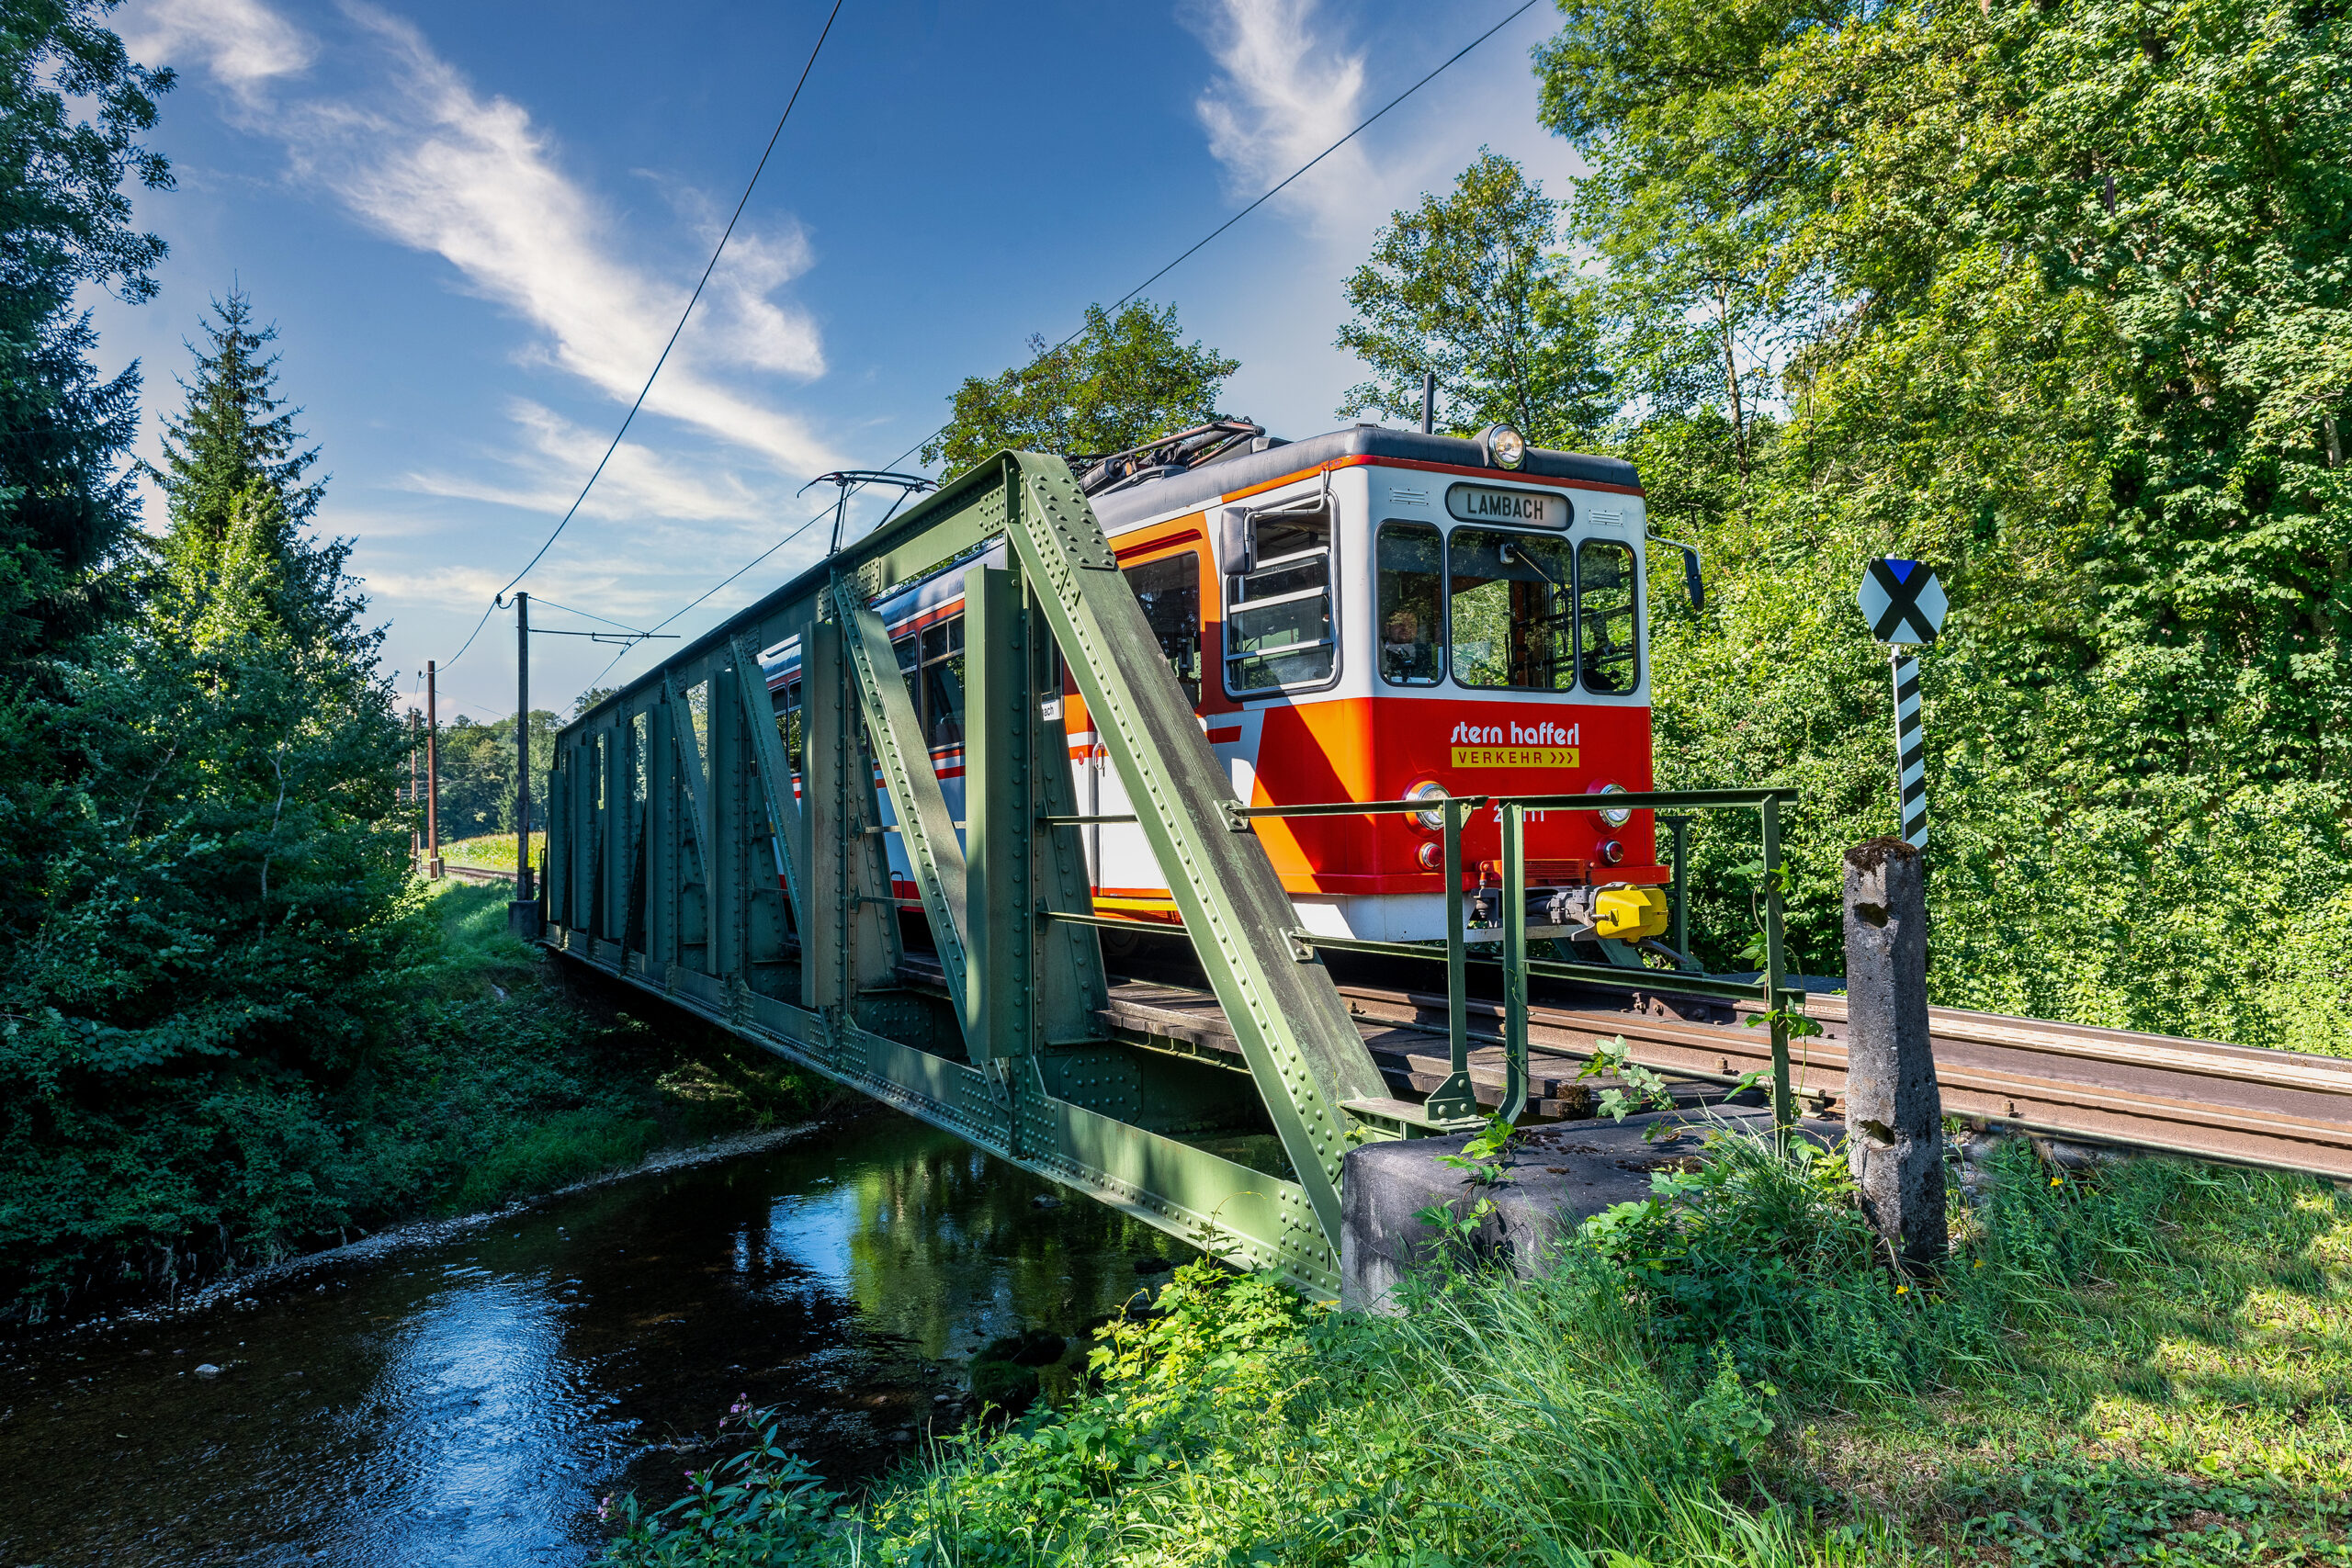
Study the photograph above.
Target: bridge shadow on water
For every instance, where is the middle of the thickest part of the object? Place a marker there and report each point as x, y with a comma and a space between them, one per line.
469, 1398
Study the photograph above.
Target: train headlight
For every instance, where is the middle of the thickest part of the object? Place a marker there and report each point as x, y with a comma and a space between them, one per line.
1429, 790
1505, 447
1618, 815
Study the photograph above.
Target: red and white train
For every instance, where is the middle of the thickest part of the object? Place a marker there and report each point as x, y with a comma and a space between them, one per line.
1371, 615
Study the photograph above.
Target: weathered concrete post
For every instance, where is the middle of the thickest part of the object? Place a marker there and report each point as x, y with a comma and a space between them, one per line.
1893, 1113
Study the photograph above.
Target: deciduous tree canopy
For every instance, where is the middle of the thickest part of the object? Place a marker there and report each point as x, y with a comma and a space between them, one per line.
2052, 297
1469, 287
1121, 381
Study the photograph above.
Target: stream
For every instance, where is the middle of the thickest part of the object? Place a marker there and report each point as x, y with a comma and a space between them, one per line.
467, 1394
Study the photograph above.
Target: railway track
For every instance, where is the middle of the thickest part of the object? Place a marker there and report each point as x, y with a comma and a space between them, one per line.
2230, 1103
476, 873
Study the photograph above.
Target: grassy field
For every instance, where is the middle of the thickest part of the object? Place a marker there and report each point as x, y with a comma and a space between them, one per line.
490, 852
2152, 1365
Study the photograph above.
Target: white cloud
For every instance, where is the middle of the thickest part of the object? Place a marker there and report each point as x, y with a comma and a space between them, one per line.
436, 583
243, 43
421, 156
1282, 94
638, 483
440, 168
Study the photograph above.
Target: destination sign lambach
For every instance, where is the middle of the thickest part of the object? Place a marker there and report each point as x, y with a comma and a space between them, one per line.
1494, 503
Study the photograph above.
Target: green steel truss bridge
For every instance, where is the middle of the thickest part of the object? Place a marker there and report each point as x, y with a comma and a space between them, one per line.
673, 805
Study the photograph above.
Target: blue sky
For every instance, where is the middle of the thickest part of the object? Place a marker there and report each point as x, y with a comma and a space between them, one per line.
475, 224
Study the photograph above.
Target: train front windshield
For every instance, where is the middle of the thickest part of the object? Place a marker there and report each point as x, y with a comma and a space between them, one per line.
1514, 622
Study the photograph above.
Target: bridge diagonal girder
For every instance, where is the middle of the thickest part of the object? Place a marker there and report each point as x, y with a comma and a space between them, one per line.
696, 777
1293, 1028
926, 828
775, 772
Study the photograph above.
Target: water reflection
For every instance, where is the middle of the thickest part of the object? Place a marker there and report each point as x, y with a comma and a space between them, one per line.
467, 1400
486, 1429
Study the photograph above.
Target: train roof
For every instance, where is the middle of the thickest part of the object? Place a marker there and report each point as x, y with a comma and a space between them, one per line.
1222, 476
1199, 485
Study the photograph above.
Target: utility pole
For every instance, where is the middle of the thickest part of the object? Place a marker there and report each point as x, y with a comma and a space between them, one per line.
415, 834
522, 746
1429, 403
523, 910
432, 775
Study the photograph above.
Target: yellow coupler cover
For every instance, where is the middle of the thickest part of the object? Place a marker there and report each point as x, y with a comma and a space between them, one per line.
1630, 913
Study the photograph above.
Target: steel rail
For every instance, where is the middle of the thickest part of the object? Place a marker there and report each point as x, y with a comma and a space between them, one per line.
2241, 1115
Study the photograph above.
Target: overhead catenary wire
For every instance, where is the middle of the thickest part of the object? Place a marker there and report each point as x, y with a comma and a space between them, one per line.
1186, 255
547, 603
709, 267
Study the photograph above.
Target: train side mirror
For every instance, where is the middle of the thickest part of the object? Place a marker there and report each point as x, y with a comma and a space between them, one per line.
1236, 545
1691, 582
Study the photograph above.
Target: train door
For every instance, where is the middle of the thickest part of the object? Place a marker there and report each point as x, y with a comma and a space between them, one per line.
1168, 577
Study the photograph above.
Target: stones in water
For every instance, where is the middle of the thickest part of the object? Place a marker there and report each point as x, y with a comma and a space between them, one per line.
1003, 1372
1030, 1347
207, 1371
1004, 1384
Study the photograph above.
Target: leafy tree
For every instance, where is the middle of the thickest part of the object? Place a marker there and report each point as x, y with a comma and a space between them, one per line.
223, 896
477, 773
1690, 193
1121, 381
1467, 287
2053, 297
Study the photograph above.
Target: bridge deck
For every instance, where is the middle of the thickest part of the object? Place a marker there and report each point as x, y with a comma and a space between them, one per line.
2233, 1103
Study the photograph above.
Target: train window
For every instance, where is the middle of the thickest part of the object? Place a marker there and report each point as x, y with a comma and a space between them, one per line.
787, 724
1508, 595
910, 651
698, 714
1169, 591
1278, 616
942, 699
1607, 616
1412, 614
940, 676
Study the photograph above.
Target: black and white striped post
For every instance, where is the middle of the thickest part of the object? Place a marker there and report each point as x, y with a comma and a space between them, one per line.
1910, 750
1904, 606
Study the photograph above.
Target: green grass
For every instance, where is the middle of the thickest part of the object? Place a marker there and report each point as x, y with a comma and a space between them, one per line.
489, 851
2153, 1365
569, 1146
531, 1083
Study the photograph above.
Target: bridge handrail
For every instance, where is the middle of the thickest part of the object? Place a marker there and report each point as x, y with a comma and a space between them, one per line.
1624, 800
1454, 1103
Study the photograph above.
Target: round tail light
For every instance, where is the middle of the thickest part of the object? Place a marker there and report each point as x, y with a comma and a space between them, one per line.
1430, 790
1611, 853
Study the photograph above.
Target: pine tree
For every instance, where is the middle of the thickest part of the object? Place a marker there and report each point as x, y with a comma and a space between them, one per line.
235, 451
235, 431
73, 107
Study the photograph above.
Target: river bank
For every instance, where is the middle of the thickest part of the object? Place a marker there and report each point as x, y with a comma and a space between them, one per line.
2146, 1364
469, 1392
492, 1074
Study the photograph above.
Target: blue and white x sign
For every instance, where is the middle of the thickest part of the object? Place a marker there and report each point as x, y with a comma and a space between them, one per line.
1902, 602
